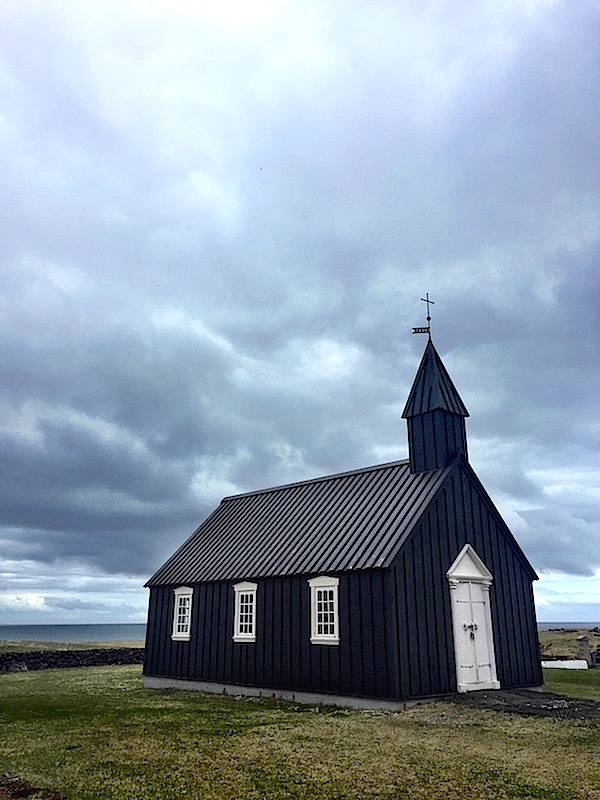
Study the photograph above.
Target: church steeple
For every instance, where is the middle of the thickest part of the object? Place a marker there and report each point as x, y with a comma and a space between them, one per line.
435, 415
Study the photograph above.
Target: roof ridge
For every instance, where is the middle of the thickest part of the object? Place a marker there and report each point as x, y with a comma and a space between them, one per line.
321, 478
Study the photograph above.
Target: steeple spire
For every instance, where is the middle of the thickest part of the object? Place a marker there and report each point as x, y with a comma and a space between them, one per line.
433, 388
435, 415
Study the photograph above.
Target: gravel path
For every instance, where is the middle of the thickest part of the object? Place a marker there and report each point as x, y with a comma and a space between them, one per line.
530, 703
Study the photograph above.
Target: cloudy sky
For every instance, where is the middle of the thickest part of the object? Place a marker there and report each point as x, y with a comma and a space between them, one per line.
217, 222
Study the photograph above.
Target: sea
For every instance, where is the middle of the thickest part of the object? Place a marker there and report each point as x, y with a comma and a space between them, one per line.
73, 633
549, 626
137, 632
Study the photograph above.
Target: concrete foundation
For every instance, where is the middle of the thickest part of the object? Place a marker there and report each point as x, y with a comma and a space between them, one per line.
307, 698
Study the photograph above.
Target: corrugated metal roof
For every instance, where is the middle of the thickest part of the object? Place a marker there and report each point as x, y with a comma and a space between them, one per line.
433, 388
352, 520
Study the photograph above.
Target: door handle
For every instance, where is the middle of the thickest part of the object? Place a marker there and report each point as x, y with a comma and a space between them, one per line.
471, 628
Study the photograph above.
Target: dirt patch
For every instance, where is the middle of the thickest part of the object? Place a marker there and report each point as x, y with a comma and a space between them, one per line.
530, 702
13, 788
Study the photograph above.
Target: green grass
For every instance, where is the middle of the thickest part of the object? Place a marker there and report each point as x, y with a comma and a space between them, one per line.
573, 682
97, 734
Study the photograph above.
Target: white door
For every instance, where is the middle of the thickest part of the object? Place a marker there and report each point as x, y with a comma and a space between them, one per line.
470, 584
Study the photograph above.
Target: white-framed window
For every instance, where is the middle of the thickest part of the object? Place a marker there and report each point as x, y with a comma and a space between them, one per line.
244, 622
324, 623
182, 614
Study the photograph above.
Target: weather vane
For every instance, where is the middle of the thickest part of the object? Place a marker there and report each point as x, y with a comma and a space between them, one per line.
426, 330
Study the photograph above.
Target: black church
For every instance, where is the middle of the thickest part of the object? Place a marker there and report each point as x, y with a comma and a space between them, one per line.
367, 587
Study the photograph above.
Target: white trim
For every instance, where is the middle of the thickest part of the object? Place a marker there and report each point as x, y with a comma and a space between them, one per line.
323, 580
182, 614
467, 566
320, 584
244, 591
476, 687
470, 581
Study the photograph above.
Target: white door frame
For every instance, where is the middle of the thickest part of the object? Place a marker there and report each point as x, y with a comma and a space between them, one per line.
470, 582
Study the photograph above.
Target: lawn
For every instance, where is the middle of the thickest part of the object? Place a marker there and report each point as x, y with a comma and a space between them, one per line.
573, 683
96, 733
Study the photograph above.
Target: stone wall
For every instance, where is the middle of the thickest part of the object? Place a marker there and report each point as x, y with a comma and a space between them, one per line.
57, 659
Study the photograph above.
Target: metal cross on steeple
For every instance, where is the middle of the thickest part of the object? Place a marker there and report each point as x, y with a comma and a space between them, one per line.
426, 330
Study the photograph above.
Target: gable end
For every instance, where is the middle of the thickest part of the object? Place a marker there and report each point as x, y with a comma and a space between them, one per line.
468, 474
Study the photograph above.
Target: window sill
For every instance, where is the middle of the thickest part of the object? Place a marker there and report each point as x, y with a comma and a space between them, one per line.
185, 637
244, 639
319, 640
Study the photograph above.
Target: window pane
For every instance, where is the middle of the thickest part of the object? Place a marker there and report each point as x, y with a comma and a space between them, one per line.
245, 603
182, 615
325, 611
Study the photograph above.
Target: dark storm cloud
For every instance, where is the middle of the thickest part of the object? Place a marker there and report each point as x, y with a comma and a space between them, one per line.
577, 532
214, 244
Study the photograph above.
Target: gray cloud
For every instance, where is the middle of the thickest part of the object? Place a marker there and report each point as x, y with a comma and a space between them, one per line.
214, 241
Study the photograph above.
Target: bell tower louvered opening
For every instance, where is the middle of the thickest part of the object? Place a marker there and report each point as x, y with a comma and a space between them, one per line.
435, 415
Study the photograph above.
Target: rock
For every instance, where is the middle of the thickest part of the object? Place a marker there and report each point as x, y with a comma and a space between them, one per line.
59, 659
14, 666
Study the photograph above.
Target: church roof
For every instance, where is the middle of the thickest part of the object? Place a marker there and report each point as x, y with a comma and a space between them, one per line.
433, 388
352, 520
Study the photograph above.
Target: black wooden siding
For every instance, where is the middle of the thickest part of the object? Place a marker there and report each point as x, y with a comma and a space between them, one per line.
435, 439
282, 656
396, 636
461, 513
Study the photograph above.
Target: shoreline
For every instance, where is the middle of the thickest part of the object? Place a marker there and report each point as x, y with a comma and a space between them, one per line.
31, 645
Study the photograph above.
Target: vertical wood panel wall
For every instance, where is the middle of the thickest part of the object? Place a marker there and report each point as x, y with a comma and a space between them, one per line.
435, 438
282, 656
425, 655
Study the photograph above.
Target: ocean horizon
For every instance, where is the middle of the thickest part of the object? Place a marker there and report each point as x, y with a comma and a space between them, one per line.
94, 632
100, 632
547, 626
